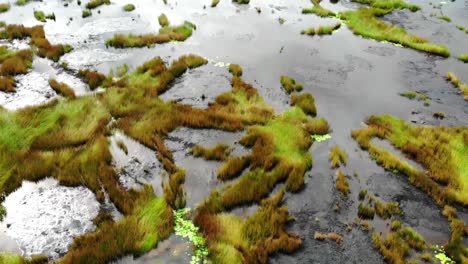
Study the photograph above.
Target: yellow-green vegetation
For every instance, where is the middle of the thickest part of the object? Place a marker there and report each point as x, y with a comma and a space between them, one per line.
365, 212
451, 77
166, 34
398, 245
330, 236
389, 4
235, 70
86, 13
163, 21
322, 30
439, 115
440, 150
318, 10
455, 244
219, 152
290, 85
445, 18
40, 16
386, 210
9, 258
214, 3
62, 88
22, 2
304, 101
129, 7
43, 47
233, 167
365, 22
336, 157
241, 1
4, 7
462, 28
419, 95
231, 239
13, 63
93, 78
96, 3
463, 57
342, 184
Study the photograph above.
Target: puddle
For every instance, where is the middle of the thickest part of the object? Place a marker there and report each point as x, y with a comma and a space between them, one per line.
137, 167
44, 217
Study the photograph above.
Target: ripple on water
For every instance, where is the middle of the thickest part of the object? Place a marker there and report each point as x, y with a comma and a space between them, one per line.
44, 217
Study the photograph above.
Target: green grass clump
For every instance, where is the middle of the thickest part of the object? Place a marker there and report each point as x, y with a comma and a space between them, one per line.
336, 157
365, 211
439, 115
290, 85
86, 13
163, 21
323, 30
463, 57
93, 78
4, 7
409, 94
166, 34
306, 102
40, 16
233, 167
419, 95
235, 70
96, 3
342, 184
62, 88
241, 1
219, 152
445, 18
362, 194
386, 210
16, 259
22, 2
364, 22
451, 77
389, 5
318, 10
129, 7
214, 3
7, 84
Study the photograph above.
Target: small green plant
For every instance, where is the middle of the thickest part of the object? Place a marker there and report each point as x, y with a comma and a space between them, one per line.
86, 13
4, 7
96, 3
214, 3
129, 7
463, 57
342, 184
409, 94
365, 211
186, 228
336, 157
320, 138
439, 115
362, 194
40, 16
163, 21
122, 70
22, 2
235, 70
445, 18
281, 20
290, 85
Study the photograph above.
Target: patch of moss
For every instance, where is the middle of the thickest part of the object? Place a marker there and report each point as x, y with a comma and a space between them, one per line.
445, 18
86, 13
306, 102
235, 70
318, 10
4, 7
451, 77
323, 30
389, 4
463, 57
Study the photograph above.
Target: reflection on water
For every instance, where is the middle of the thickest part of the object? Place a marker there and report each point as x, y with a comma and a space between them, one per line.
44, 217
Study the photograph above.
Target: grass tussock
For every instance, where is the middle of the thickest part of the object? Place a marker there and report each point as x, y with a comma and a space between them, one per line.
233, 167
4, 7
336, 157
10, 258
365, 212
389, 5
330, 236
86, 13
7, 84
445, 18
342, 184
93, 78
241, 1
62, 88
97, 3
387, 210
166, 34
43, 47
318, 10
322, 30
290, 85
129, 7
306, 102
365, 22
163, 20
235, 70
463, 57
22, 2
463, 87
214, 3
219, 152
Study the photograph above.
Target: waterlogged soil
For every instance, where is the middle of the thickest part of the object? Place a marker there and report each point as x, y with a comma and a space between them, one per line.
350, 77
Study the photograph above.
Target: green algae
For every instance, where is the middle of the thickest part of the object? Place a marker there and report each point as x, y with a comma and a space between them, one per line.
320, 138
186, 228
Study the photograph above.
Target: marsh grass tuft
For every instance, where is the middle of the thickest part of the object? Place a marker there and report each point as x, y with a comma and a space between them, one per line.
163, 21
219, 152
214, 3
4, 7
96, 3
451, 77
86, 13
318, 10
331, 236
342, 184
365, 212
306, 102
322, 30
290, 85
463, 57
62, 88
235, 70
445, 18
336, 157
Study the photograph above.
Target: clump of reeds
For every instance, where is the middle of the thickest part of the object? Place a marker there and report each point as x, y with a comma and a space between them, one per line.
219, 152
337, 156
306, 102
62, 88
